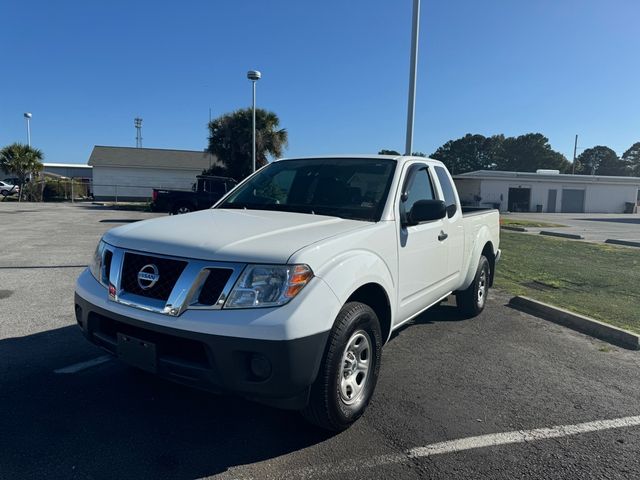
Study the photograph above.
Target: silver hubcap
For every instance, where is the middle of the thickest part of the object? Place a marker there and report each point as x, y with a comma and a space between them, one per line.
183, 210
482, 287
356, 361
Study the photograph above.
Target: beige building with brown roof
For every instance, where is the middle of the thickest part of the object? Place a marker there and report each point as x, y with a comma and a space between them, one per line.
132, 173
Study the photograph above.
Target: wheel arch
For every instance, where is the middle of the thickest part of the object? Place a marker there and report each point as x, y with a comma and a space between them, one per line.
375, 296
482, 245
363, 276
489, 252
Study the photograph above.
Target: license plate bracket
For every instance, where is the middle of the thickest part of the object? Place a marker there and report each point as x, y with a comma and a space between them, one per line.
138, 353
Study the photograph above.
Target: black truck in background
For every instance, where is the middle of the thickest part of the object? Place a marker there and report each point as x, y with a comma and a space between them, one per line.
205, 192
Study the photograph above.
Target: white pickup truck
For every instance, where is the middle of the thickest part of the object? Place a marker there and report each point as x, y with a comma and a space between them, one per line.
286, 290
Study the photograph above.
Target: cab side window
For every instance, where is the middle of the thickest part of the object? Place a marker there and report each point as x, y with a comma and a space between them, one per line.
418, 188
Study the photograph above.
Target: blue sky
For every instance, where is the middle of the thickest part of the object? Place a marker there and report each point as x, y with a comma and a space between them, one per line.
335, 71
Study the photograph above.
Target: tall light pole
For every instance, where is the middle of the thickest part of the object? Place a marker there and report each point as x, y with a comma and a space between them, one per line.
254, 76
575, 149
413, 72
27, 117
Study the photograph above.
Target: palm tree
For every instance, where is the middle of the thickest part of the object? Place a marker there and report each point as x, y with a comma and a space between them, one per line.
22, 161
231, 136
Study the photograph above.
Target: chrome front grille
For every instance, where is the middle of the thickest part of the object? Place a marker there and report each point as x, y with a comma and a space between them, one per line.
181, 283
169, 272
214, 285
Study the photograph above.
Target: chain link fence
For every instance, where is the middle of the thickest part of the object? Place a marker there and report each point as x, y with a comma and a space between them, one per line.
77, 190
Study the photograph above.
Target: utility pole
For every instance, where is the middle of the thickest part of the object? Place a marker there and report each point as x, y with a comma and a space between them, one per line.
575, 149
413, 73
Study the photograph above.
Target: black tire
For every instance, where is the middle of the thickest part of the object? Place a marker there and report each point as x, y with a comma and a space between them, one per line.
4, 193
329, 406
472, 300
182, 209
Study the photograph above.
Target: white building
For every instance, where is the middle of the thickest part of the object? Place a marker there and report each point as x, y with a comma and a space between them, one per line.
69, 170
549, 191
132, 173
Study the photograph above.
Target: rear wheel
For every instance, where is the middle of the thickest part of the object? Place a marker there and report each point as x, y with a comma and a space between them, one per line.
472, 300
4, 193
349, 370
181, 209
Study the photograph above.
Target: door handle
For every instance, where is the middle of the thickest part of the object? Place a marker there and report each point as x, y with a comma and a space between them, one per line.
443, 236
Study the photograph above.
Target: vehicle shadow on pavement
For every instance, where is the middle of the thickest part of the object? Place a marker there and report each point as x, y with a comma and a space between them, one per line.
111, 421
445, 312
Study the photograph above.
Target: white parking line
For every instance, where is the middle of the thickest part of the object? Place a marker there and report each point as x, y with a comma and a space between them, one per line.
452, 446
521, 436
76, 367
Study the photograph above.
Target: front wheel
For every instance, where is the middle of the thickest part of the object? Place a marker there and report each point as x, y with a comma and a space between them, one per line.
472, 300
349, 370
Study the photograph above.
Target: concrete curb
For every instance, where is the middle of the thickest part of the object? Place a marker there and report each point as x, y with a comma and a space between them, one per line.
586, 325
563, 235
627, 243
514, 229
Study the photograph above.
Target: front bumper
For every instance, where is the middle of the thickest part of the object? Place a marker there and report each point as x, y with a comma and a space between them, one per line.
275, 372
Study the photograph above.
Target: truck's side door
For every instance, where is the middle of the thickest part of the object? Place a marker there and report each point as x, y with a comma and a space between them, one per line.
422, 254
453, 226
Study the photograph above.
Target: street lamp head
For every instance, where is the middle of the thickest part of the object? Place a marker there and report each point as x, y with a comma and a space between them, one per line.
27, 115
254, 75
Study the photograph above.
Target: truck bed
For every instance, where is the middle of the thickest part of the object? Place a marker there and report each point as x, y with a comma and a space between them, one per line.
469, 211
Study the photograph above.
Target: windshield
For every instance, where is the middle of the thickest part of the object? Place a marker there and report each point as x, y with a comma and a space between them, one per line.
342, 187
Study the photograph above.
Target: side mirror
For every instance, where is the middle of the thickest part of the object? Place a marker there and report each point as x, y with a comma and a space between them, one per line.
425, 211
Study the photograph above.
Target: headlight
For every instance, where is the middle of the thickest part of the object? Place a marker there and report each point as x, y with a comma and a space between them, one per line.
268, 285
97, 266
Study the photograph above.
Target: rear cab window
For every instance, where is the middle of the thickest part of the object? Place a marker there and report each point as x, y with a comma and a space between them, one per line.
447, 190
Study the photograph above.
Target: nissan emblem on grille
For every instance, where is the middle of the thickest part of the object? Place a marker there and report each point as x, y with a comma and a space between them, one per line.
148, 276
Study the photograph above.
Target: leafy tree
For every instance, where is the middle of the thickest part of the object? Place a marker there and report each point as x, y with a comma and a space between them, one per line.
216, 171
230, 138
470, 153
21, 160
632, 159
600, 160
395, 152
530, 152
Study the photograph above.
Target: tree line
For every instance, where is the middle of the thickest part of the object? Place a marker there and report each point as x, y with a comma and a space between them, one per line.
528, 153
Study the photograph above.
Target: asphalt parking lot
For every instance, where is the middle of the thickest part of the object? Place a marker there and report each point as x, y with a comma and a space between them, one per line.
456, 398
595, 227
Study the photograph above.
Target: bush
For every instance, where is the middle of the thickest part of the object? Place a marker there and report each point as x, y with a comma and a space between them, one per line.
60, 190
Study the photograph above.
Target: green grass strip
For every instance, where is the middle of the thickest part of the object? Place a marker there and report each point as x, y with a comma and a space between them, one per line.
598, 280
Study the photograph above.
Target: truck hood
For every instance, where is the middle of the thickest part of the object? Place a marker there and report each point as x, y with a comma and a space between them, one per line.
247, 236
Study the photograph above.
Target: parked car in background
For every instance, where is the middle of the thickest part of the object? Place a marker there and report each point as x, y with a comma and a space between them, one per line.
7, 189
286, 290
205, 192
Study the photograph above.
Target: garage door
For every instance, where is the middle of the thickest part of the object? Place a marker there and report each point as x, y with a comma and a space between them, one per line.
572, 201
